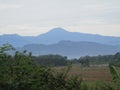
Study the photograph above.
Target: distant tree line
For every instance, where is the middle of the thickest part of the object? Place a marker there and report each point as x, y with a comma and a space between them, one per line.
100, 59
58, 60
51, 60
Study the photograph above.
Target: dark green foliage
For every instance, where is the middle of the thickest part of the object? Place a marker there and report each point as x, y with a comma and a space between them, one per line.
116, 61
85, 61
85, 87
105, 86
114, 73
51, 60
116, 76
99, 60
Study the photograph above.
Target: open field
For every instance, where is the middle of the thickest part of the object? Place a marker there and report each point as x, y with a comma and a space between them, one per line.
97, 73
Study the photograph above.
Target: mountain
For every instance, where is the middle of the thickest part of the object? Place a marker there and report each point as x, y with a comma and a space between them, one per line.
56, 35
72, 49
13, 39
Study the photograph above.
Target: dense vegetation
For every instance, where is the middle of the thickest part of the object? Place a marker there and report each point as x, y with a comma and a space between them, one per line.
51, 60
20, 72
57, 60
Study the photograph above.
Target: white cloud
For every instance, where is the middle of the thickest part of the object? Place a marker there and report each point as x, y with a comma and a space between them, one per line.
91, 22
23, 30
102, 29
38, 16
8, 6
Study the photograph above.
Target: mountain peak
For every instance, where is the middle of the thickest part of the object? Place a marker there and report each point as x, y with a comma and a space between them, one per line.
58, 29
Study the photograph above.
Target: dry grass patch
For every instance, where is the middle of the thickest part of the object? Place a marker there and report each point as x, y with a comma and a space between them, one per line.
89, 73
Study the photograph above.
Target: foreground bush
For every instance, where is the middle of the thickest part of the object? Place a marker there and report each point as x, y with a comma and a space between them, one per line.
20, 72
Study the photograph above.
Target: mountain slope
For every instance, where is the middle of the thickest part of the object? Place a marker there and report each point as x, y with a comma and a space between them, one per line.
13, 39
72, 49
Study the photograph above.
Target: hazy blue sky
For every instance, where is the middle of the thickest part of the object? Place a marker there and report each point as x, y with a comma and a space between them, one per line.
33, 17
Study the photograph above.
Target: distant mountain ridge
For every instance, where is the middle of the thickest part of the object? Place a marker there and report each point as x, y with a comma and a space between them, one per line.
56, 35
72, 49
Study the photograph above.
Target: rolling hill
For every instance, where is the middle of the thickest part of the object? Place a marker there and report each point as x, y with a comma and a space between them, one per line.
72, 49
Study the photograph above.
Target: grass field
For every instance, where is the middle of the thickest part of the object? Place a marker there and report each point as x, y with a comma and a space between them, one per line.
97, 73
